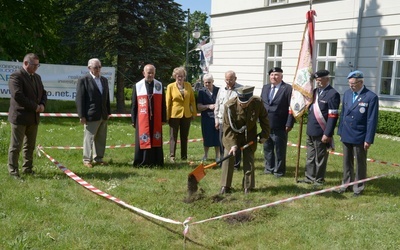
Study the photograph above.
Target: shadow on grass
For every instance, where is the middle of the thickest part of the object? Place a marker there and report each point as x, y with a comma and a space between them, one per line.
87, 176
386, 185
174, 232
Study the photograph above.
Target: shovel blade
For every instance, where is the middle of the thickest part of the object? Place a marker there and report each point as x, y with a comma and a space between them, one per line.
198, 172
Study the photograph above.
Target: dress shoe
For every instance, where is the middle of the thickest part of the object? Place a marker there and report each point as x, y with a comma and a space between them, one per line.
101, 163
15, 176
308, 181
355, 195
340, 190
248, 190
225, 190
28, 171
88, 164
318, 183
268, 172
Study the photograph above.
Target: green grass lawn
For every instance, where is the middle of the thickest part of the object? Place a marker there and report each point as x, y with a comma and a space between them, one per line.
51, 211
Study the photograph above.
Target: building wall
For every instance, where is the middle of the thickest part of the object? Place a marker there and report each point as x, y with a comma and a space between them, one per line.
240, 31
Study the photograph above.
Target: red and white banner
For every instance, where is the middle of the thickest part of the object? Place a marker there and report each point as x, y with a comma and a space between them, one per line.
302, 83
207, 53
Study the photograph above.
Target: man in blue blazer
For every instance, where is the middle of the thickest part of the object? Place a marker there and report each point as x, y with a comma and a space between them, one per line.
93, 106
357, 127
323, 115
276, 99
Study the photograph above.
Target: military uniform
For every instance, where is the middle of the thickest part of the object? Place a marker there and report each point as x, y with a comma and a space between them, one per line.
357, 127
239, 128
328, 102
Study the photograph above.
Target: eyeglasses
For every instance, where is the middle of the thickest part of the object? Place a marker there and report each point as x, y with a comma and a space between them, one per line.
354, 83
96, 67
34, 64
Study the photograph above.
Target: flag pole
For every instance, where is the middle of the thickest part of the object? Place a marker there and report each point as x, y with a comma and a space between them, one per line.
298, 149
305, 72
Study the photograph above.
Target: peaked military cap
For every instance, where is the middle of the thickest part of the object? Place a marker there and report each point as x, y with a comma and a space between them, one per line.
245, 93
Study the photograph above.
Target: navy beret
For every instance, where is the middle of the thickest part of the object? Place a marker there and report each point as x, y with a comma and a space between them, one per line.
356, 74
321, 73
275, 69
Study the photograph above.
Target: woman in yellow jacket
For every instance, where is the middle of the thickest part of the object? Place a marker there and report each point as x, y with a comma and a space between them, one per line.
181, 110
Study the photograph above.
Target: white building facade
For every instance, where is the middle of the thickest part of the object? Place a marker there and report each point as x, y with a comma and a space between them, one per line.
252, 36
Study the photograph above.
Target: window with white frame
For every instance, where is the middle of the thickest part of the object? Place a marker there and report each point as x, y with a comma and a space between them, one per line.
273, 57
390, 68
274, 2
326, 57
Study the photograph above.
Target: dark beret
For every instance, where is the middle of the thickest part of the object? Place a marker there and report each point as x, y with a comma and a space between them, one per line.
321, 73
275, 69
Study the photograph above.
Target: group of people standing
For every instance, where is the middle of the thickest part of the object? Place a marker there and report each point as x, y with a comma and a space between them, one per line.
230, 114
229, 118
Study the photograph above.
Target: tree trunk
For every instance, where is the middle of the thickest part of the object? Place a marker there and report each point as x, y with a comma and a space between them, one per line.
120, 86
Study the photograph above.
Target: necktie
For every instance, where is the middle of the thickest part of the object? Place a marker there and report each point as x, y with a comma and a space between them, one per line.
354, 96
271, 94
33, 83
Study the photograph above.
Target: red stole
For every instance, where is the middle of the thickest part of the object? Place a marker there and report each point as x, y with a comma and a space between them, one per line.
147, 140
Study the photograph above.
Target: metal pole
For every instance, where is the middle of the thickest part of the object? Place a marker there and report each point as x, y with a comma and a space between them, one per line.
187, 43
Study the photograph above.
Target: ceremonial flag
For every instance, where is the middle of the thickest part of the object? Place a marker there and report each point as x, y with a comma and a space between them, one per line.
302, 83
206, 55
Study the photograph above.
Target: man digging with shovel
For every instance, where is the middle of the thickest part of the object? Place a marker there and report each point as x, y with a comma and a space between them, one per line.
241, 116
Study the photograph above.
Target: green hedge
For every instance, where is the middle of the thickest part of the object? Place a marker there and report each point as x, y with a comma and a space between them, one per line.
389, 123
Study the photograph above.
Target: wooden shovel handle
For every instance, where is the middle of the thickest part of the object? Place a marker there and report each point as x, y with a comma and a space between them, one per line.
227, 157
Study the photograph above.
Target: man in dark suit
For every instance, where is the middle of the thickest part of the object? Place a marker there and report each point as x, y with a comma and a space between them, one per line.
276, 98
357, 127
93, 106
323, 114
28, 100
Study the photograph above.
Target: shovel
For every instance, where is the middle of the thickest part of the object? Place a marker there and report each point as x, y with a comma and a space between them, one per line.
198, 173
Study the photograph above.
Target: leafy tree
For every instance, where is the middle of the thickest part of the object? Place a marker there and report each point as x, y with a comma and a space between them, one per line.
128, 35
196, 20
29, 26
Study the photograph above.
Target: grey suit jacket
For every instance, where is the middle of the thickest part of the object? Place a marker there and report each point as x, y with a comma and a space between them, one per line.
25, 97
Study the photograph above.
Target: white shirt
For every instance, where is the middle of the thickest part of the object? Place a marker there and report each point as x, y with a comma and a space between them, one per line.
98, 82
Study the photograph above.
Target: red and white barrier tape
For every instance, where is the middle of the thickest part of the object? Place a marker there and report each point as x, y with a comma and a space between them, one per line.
116, 146
201, 139
295, 198
187, 223
97, 191
341, 154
